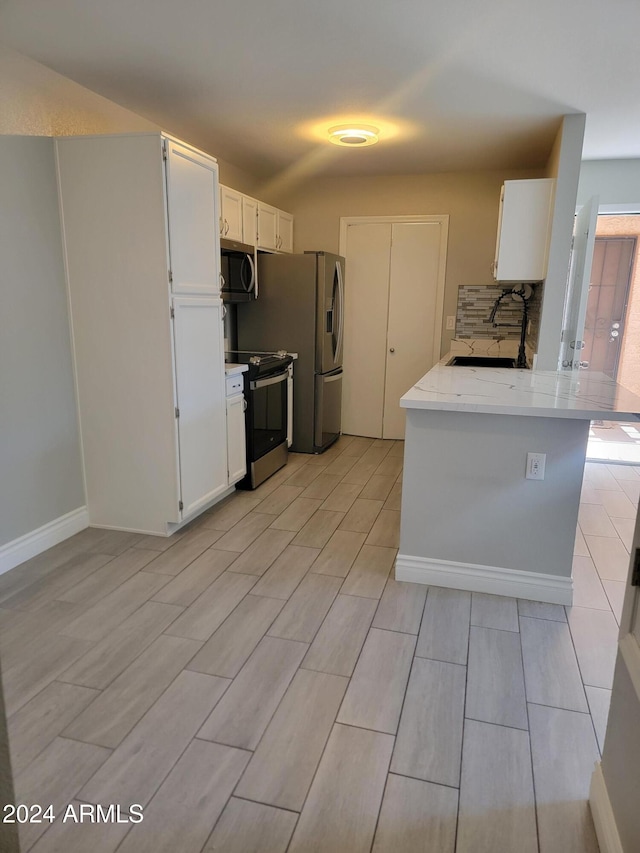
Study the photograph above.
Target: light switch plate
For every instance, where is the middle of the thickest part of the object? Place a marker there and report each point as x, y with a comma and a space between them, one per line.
451, 324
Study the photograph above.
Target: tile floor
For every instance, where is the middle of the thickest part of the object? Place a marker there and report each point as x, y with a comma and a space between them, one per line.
259, 682
612, 441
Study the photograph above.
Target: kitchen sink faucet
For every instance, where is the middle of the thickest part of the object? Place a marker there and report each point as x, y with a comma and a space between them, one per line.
524, 293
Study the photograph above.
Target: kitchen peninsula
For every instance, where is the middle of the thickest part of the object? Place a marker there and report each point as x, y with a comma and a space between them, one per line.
470, 519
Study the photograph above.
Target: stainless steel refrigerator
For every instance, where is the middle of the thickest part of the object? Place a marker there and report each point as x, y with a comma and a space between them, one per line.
300, 308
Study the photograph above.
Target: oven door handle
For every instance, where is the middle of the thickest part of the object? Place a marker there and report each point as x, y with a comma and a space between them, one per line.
270, 380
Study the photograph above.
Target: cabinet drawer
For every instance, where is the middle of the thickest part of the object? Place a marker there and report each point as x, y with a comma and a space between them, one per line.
234, 385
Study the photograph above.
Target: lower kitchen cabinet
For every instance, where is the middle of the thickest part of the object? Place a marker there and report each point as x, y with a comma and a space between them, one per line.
200, 395
236, 438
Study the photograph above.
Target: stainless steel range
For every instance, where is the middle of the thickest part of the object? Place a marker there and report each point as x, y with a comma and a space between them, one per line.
265, 390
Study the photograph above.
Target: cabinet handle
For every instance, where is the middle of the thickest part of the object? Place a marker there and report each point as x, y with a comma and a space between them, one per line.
226, 227
392, 349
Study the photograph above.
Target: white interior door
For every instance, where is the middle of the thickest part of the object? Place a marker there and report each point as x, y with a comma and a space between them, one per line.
414, 320
200, 393
393, 317
365, 327
575, 306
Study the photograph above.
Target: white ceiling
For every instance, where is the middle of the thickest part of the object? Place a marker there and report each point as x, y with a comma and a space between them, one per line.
453, 85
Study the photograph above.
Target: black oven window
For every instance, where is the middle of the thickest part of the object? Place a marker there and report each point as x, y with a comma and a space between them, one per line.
269, 427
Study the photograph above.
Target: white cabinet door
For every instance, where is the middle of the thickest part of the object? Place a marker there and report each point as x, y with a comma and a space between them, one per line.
192, 209
267, 227
285, 231
249, 220
231, 214
524, 230
236, 439
200, 400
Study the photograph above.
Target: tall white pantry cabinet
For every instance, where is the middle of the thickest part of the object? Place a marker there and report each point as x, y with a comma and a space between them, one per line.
140, 229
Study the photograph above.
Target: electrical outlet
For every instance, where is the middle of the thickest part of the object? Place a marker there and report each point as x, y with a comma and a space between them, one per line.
535, 466
451, 324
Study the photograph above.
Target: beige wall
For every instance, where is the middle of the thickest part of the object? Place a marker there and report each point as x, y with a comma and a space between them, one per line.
470, 199
35, 101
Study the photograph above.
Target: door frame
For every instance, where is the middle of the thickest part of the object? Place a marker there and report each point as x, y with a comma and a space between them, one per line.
440, 219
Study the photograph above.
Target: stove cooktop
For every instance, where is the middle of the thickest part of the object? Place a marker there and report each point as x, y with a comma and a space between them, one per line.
261, 363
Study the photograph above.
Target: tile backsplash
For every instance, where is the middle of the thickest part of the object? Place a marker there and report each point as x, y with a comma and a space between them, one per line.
474, 307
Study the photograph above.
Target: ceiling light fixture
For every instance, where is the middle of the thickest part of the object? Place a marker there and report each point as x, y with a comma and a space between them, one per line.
353, 135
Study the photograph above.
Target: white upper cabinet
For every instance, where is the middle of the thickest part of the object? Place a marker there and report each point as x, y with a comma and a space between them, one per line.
267, 227
275, 229
238, 216
249, 220
231, 210
285, 231
524, 230
192, 203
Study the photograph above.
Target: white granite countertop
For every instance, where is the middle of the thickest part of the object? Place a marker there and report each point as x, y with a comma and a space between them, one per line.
537, 393
233, 369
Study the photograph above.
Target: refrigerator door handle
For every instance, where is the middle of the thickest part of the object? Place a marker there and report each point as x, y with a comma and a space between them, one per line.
335, 378
341, 309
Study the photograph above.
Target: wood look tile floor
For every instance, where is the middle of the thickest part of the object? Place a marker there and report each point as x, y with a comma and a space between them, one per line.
260, 682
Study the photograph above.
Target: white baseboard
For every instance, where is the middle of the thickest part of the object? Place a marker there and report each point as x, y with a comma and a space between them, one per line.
552, 589
602, 813
34, 543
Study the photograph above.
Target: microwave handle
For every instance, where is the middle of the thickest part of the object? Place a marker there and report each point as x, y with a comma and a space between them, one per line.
252, 283
248, 286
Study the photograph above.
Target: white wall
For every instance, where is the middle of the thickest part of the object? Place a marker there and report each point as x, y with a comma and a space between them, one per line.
616, 182
40, 467
564, 166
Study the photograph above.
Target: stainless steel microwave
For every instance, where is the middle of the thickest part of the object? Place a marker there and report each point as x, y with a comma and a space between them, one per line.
238, 270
